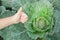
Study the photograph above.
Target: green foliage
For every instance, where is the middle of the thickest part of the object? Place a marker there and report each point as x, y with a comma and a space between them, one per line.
15, 4
43, 22
56, 4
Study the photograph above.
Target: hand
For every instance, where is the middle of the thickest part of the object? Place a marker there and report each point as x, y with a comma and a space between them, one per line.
20, 16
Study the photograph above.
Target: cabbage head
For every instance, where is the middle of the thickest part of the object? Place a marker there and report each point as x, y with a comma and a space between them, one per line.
40, 22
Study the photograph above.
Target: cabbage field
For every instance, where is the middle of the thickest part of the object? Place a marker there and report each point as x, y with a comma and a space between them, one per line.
43, 20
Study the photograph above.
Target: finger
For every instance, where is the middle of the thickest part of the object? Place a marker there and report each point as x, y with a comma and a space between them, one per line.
19, 11
23, 18
24, 14
24, 21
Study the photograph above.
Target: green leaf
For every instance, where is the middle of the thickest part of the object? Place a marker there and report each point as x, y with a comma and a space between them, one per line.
14, 32
56, 31
56, 4
2, 10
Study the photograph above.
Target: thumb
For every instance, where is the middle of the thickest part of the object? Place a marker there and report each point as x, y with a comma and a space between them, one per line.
19, 11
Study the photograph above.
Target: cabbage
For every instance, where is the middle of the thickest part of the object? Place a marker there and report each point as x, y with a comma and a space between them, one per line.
40, 21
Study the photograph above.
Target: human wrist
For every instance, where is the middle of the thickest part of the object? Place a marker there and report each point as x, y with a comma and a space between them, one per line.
14, 20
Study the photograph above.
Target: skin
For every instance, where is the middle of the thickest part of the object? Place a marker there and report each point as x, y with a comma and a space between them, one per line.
20, 16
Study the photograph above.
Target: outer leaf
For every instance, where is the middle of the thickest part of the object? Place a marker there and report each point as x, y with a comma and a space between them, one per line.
14, 32
15, 4
2, 10
56, 31
56, 4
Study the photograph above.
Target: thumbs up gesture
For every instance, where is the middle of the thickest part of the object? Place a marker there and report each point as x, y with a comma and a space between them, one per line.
20, 16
